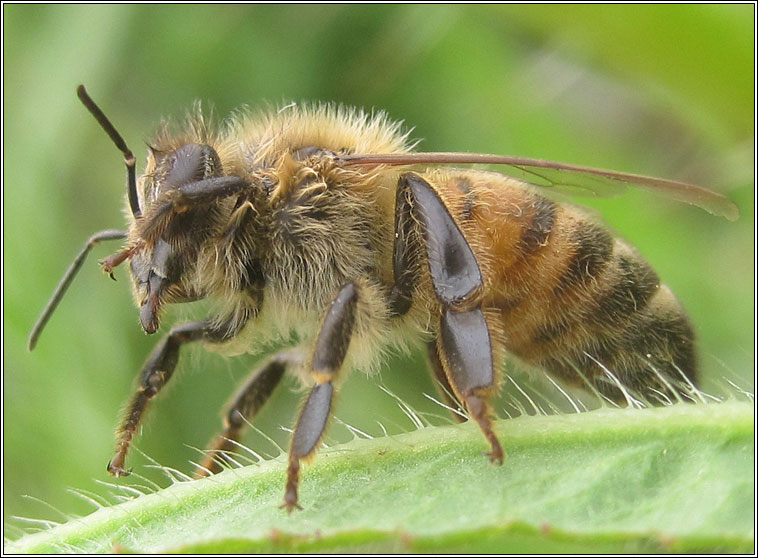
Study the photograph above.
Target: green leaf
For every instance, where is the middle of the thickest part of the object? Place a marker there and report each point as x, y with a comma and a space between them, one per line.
673, 479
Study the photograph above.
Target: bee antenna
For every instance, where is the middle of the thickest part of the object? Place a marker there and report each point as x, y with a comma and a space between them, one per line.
131, 177
68, 277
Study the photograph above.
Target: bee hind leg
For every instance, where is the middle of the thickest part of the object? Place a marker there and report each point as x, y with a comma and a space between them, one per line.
329, 354
466, 349
444, 387
463, 358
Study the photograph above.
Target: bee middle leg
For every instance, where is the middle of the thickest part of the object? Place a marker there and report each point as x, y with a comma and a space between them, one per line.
463, 348
155, 373
248, 401
329, 353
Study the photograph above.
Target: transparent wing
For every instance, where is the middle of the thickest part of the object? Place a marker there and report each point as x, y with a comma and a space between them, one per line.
573, 179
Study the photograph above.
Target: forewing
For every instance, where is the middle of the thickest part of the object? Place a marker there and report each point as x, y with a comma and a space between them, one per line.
572, 179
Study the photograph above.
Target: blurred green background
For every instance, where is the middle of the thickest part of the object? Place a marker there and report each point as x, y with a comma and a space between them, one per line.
661, 90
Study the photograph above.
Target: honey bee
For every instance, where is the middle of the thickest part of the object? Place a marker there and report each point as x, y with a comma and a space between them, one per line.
321, 220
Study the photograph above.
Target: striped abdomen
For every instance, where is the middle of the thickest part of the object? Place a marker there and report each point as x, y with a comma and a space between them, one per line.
569, 297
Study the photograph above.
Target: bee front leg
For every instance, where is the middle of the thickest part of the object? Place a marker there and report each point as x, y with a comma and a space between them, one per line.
331, 347
155, 374
463, 352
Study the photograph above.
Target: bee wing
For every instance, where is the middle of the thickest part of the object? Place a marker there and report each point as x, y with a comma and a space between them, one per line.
575, 179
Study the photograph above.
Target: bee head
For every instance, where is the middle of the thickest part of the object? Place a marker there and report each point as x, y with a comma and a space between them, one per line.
172, 212
171, 228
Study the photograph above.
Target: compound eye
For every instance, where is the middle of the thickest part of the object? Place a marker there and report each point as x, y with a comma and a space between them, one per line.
191, 163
